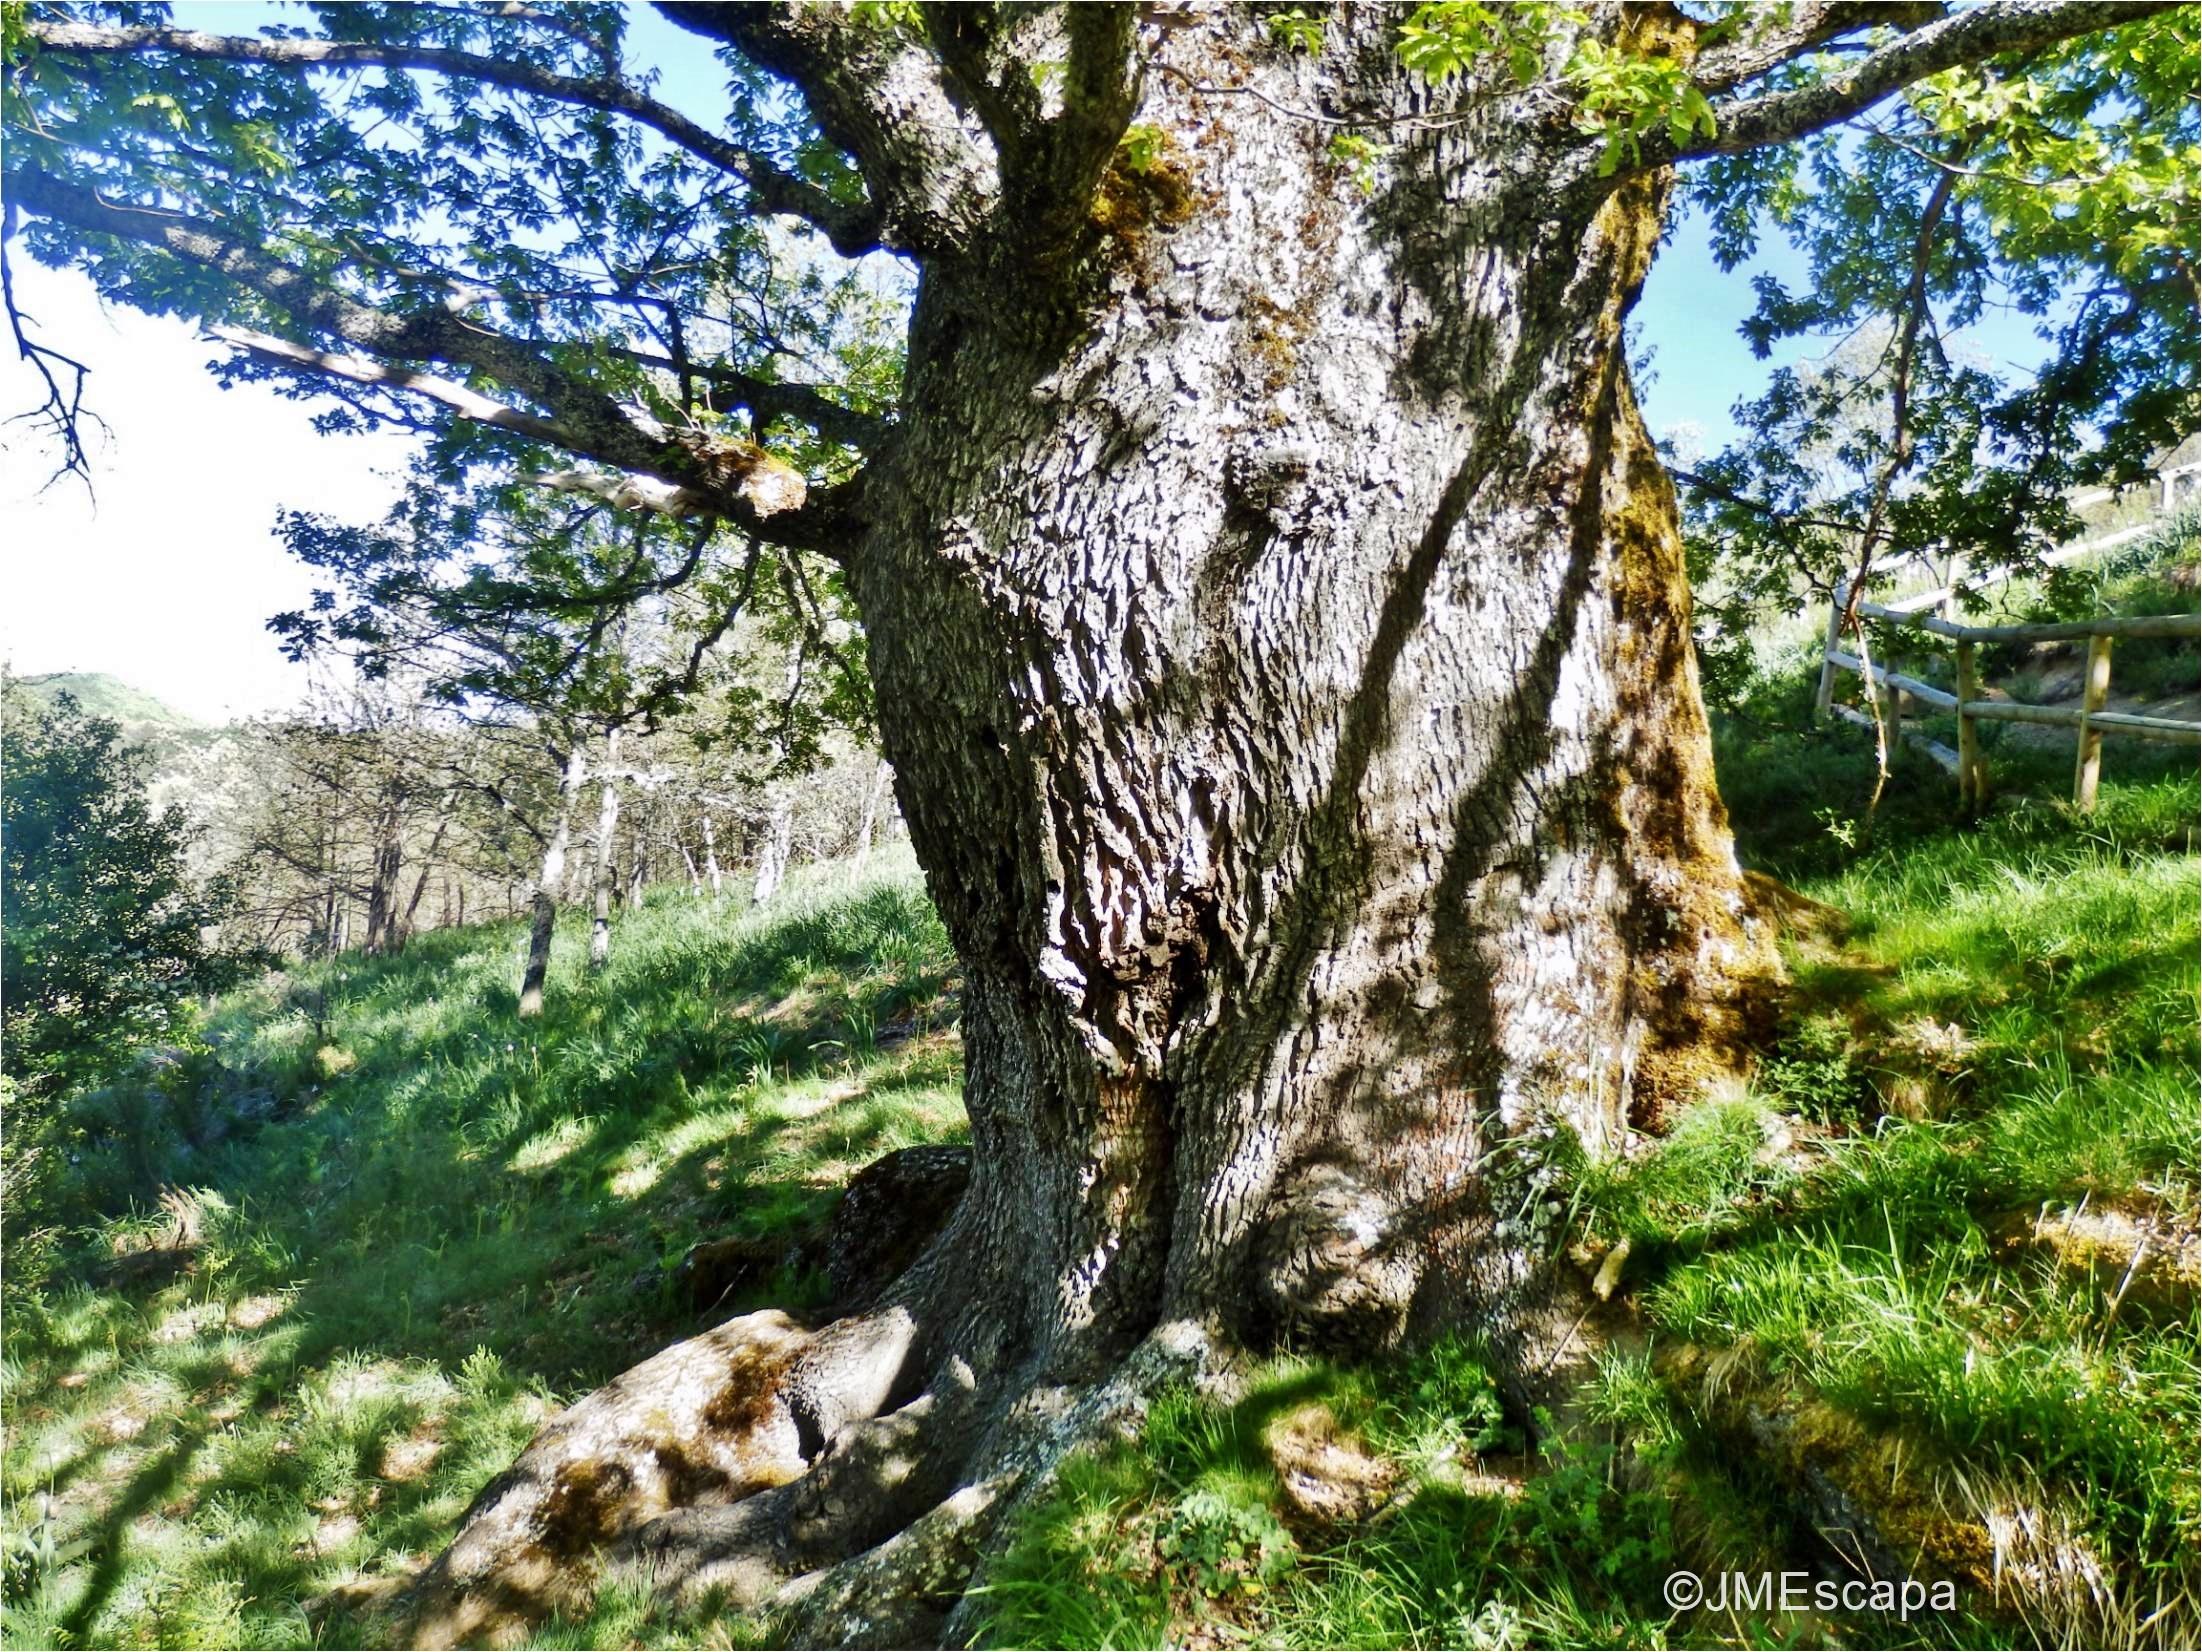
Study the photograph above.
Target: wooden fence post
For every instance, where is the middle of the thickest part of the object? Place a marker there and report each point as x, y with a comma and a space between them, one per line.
2088, 768
1972, 770
1824, 701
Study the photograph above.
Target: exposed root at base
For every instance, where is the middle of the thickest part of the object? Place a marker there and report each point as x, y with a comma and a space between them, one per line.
779, 1470
740, 1411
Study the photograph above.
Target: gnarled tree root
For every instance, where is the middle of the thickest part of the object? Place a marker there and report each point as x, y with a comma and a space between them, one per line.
741, 1410
782, 1471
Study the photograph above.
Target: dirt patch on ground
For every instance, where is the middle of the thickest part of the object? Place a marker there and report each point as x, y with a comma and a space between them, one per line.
1330, 1479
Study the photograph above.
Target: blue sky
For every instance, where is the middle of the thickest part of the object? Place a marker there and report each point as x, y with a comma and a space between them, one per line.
167, 577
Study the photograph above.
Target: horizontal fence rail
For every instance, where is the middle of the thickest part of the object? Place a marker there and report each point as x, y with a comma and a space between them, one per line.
1919, 613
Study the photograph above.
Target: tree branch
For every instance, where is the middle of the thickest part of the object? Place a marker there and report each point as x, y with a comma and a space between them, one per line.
768, 399
466, 403
831, 520
694, 473
63, 411
854, 229
931, 169
1969, 36
1777, 34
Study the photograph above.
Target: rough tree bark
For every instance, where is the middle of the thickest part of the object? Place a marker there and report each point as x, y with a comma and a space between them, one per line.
1282, 644
545, 906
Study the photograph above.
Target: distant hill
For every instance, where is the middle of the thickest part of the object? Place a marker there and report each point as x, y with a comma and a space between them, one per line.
104, 696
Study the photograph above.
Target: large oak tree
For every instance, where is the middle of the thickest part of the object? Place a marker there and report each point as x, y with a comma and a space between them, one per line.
1274, 603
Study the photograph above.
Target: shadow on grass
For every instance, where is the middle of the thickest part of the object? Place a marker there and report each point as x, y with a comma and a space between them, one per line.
452, 1222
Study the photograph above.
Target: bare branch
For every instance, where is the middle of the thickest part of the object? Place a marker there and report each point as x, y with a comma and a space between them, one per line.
853, 229
63, 411
1776, 35
1968, 36
674, 684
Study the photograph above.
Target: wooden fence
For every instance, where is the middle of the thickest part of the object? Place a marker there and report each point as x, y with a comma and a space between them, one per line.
1928, 612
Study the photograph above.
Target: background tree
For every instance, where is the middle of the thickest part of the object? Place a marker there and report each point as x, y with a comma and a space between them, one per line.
364, 818
105, 940
521, 608
103, 936
2063, 189
1275, 608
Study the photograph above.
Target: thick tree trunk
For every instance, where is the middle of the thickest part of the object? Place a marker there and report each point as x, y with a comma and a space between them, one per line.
545, 919
607, 825
1282, 646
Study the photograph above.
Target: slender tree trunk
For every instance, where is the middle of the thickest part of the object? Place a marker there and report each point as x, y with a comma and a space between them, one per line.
607, 825
382, 881
547, 882
638, 858
428, 864
779, 844
329, 897
711, 860
1282, 644
867, 826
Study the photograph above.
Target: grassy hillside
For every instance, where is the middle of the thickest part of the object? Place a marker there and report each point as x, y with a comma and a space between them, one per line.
376, 1229
106, 696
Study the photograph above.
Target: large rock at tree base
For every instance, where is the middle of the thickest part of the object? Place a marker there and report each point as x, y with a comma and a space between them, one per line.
889, 1211
892, 1208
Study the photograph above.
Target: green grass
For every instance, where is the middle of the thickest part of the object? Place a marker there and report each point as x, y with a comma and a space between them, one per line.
1821, 1260
437, 1223
449, 1223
